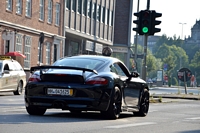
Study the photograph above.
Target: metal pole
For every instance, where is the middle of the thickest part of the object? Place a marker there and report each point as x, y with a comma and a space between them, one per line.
40, 53
136, 39
144, 72
185, 83
181, 43
145, 58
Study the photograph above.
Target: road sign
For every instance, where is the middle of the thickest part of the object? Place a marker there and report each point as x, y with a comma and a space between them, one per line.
184, 74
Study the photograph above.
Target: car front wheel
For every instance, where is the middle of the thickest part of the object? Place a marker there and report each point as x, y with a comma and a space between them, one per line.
114, 109
35, 110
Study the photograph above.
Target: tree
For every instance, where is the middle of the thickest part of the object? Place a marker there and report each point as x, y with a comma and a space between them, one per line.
195, 66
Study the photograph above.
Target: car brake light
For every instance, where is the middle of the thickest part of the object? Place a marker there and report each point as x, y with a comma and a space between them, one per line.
97, 80
34, 78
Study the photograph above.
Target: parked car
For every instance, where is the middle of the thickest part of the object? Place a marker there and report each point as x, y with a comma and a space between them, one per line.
86, 83
12, 76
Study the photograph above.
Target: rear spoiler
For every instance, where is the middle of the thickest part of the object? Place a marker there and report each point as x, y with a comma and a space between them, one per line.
60, 67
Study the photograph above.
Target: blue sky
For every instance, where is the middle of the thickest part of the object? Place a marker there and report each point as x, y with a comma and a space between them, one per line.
173, 13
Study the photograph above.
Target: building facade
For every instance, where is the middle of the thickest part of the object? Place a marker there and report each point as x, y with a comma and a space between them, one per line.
70, 27
89, 26
195, 34
123, 30
22, 22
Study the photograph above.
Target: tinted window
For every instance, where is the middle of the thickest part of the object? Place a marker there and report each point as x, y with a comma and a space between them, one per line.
82, 63
117, 69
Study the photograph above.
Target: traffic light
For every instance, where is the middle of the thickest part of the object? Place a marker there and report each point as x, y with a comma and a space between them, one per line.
155, 22
143, 22
138, 22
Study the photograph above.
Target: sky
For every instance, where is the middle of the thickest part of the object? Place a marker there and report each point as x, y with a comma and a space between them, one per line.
173, 12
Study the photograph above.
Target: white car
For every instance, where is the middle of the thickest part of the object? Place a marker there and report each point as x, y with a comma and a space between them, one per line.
12, 76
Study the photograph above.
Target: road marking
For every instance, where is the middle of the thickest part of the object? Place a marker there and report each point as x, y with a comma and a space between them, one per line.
150, 111
131, 125
195, 118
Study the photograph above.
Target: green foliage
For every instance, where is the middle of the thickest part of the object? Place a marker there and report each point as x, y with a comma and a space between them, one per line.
174, 81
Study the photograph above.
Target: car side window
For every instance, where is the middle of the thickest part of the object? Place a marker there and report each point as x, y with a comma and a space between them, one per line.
6, 67
118, 69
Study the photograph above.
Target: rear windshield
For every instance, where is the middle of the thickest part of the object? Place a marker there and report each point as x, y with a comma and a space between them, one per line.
82, 63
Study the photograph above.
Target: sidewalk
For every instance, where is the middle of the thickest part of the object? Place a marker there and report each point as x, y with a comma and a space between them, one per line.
169, 97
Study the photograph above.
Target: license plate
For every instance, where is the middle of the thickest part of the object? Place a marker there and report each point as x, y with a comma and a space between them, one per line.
62, 92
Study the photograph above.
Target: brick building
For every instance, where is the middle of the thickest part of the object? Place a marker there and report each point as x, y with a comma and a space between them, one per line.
70, 27
22, 21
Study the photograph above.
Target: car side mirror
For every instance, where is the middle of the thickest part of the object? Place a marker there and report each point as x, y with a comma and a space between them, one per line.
135, 74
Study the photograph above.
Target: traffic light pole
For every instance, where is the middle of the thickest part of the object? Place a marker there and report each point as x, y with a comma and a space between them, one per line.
144, 66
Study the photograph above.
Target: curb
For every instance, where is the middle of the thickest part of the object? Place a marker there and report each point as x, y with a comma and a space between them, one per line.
173, 96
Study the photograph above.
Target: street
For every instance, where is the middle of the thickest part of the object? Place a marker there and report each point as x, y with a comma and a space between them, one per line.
181, 116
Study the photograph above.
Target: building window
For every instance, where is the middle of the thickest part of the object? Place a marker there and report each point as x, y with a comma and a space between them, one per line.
68, 4
84, 7
42, 10
28, 8
19, 6
9, 5
98, 12
73, 5
18, 43
103, 15
111, 18
94, 10
57, 14
27, 52
79, 6
48, 53
107, 17
40, 53
50, 6
89, 9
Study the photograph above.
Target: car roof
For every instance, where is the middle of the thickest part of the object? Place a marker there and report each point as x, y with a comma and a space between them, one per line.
98, 57
6, 59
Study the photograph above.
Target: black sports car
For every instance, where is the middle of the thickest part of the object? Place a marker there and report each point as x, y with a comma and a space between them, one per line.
86, 83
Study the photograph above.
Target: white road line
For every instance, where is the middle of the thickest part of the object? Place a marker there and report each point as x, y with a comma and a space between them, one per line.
131, 125
152, 111
195, 118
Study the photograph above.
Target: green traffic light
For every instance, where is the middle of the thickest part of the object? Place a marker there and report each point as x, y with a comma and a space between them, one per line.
145, 29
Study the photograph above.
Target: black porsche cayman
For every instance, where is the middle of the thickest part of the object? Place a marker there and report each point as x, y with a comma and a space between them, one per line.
86, 83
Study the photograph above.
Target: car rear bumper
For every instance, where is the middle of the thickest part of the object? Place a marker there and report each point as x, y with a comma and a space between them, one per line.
88, 104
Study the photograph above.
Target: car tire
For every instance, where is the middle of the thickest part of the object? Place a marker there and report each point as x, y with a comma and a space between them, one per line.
144, 104
19, 89
35, 110
114, 108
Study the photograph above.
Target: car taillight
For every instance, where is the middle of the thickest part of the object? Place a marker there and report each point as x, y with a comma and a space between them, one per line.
34, 78
97, 80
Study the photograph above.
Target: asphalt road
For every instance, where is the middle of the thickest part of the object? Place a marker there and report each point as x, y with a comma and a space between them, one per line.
180, 116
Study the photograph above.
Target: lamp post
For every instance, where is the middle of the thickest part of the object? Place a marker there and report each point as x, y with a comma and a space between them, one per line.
182, 29
180, 58
181, 43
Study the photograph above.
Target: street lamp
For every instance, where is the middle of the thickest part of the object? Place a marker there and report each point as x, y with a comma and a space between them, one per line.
182, 29
181, 43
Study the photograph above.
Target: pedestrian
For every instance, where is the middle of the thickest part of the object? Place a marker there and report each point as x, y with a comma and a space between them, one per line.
192, 81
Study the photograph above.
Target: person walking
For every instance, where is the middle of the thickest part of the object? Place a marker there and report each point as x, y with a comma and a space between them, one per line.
192, 81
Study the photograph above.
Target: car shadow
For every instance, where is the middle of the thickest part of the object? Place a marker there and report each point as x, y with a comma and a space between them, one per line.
56, 117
